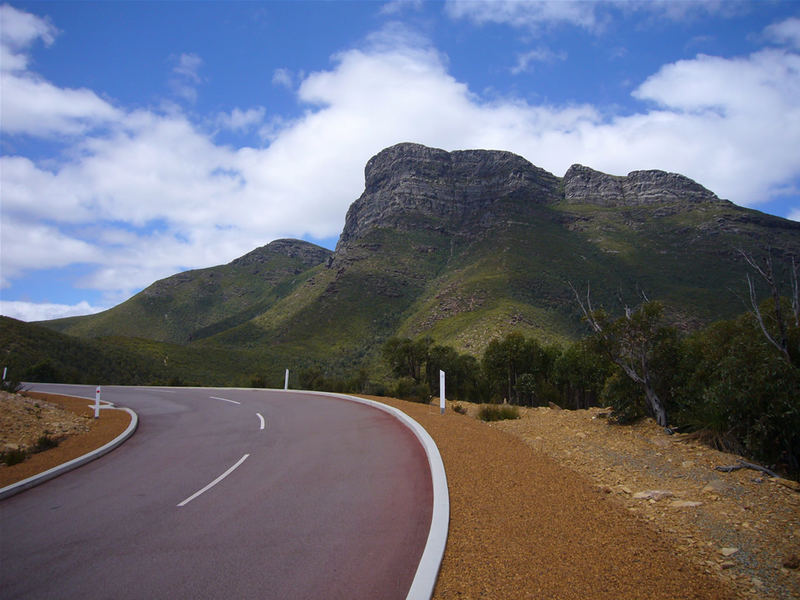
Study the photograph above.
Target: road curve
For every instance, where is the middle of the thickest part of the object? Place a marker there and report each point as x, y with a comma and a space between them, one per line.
228, 493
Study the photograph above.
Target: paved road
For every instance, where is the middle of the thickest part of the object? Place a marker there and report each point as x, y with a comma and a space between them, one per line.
333, 500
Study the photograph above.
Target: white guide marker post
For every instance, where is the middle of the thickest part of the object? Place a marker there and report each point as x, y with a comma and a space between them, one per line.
286, 380
5, 370
441, 392
97, 402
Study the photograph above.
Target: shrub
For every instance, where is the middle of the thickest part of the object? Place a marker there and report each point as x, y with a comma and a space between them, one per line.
14, 456
46, 442
408, 389
498, 412
459, 409
11, 386
258, 381
624, 397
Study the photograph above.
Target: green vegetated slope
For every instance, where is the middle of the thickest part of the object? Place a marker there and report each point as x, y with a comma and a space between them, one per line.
430, 248
35, 353
199, 303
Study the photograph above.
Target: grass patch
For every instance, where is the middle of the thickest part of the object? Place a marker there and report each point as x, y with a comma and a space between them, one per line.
498, 412
45, 442
13, 456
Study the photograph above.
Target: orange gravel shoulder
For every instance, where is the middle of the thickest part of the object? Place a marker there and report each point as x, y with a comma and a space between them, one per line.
96, 433
524, 526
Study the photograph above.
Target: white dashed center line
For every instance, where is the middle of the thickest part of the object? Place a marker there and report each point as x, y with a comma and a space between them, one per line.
224, 400
215, 482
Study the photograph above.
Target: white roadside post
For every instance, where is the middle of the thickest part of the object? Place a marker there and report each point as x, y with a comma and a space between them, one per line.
5, 370
441, 392
97, 402
286, 380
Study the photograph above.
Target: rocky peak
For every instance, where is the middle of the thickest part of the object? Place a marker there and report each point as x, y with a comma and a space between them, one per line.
309, 254
458, 189
585, 185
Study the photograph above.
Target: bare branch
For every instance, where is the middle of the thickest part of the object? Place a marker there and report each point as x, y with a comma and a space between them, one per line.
759, 318
587, 310
756, 267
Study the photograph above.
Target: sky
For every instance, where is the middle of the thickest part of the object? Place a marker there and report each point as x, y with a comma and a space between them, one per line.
141, 139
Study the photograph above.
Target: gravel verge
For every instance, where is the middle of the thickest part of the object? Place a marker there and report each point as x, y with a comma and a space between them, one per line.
524, 526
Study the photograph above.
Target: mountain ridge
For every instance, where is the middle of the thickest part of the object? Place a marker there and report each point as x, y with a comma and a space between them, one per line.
463, 246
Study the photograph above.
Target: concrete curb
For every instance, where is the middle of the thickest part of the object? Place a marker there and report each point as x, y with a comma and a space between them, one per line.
16, 488
431, 561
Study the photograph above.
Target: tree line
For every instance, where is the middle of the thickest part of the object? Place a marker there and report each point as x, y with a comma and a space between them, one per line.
736, 382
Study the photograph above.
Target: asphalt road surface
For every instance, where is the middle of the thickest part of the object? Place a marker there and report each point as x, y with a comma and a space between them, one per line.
315, 497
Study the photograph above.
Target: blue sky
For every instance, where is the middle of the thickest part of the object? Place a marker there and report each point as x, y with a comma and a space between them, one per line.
140, 139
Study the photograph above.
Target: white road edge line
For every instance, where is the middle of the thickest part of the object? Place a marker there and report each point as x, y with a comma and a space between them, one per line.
224, 400
263, 422
215, 482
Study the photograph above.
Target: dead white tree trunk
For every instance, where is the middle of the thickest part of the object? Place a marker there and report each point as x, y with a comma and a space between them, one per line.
767, 273
635, 365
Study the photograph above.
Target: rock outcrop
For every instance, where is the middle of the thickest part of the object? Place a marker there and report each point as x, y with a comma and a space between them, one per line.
408, 185
309, 254
583, 185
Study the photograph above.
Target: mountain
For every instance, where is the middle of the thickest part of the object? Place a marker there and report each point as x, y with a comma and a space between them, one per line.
196, 304
462, 246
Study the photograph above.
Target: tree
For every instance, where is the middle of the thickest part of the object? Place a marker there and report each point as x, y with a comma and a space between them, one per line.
580, 372
779, 338
407, 357
741, 393
503, 361
630, 342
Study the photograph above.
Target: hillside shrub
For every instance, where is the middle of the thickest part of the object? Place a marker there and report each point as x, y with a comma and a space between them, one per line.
498, 412
13, 456
46, 442
408, 389
741, 394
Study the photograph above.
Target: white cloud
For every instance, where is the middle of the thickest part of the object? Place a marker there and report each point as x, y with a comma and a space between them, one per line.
283, 78
43, 311
21, 29
30, 105
526, 59
527, 14
786, 32
397, 6
242, 120
731, 124
29, 245
590, 15
188, 66
186, 76
795, 214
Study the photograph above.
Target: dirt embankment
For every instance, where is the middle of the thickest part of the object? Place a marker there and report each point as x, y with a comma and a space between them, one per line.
24, 420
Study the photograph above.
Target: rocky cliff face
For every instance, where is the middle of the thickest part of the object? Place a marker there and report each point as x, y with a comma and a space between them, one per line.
452, 189
583, 185
470, 191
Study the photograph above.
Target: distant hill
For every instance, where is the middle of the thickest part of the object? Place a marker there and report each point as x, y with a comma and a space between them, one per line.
35, 353
196, 304
462, 246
